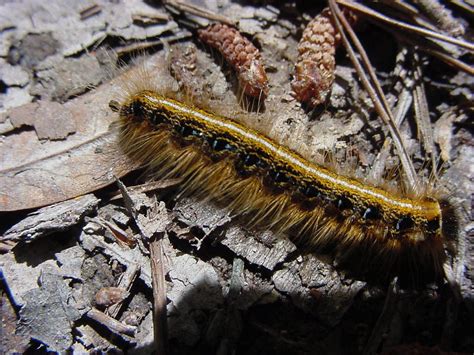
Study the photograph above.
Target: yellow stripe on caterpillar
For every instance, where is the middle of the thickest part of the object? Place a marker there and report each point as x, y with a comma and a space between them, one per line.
270, 185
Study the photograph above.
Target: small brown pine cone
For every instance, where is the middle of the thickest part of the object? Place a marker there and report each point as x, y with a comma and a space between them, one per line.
241, 54
315, 66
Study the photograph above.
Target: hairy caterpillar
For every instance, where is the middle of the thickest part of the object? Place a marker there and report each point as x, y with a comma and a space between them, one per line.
374, 234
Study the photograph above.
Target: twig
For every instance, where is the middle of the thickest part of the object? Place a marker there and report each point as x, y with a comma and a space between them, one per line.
456, 63
120, 235
448, 59
198, 11
430, 48
375, 93
403, 7
154, 238
138, 47
422, 113
465, 6
409, 11
90, 11
127, 200
130, 207
149, 18
149, 186
125, 282
441, 16
419, 30
404, 102
417, 18
160, 324
110, 323
6, 246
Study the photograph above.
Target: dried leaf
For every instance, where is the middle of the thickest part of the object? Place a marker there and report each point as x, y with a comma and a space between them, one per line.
70, 152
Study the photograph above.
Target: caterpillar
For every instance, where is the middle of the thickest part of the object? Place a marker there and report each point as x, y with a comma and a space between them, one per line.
374, 234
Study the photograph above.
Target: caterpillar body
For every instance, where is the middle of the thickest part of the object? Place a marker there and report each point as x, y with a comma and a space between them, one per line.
374, 234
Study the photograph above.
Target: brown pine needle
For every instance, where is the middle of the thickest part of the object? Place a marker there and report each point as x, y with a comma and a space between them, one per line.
416, 29
375, 91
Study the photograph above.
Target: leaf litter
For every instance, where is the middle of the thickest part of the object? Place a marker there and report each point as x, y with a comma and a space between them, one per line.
226, 287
